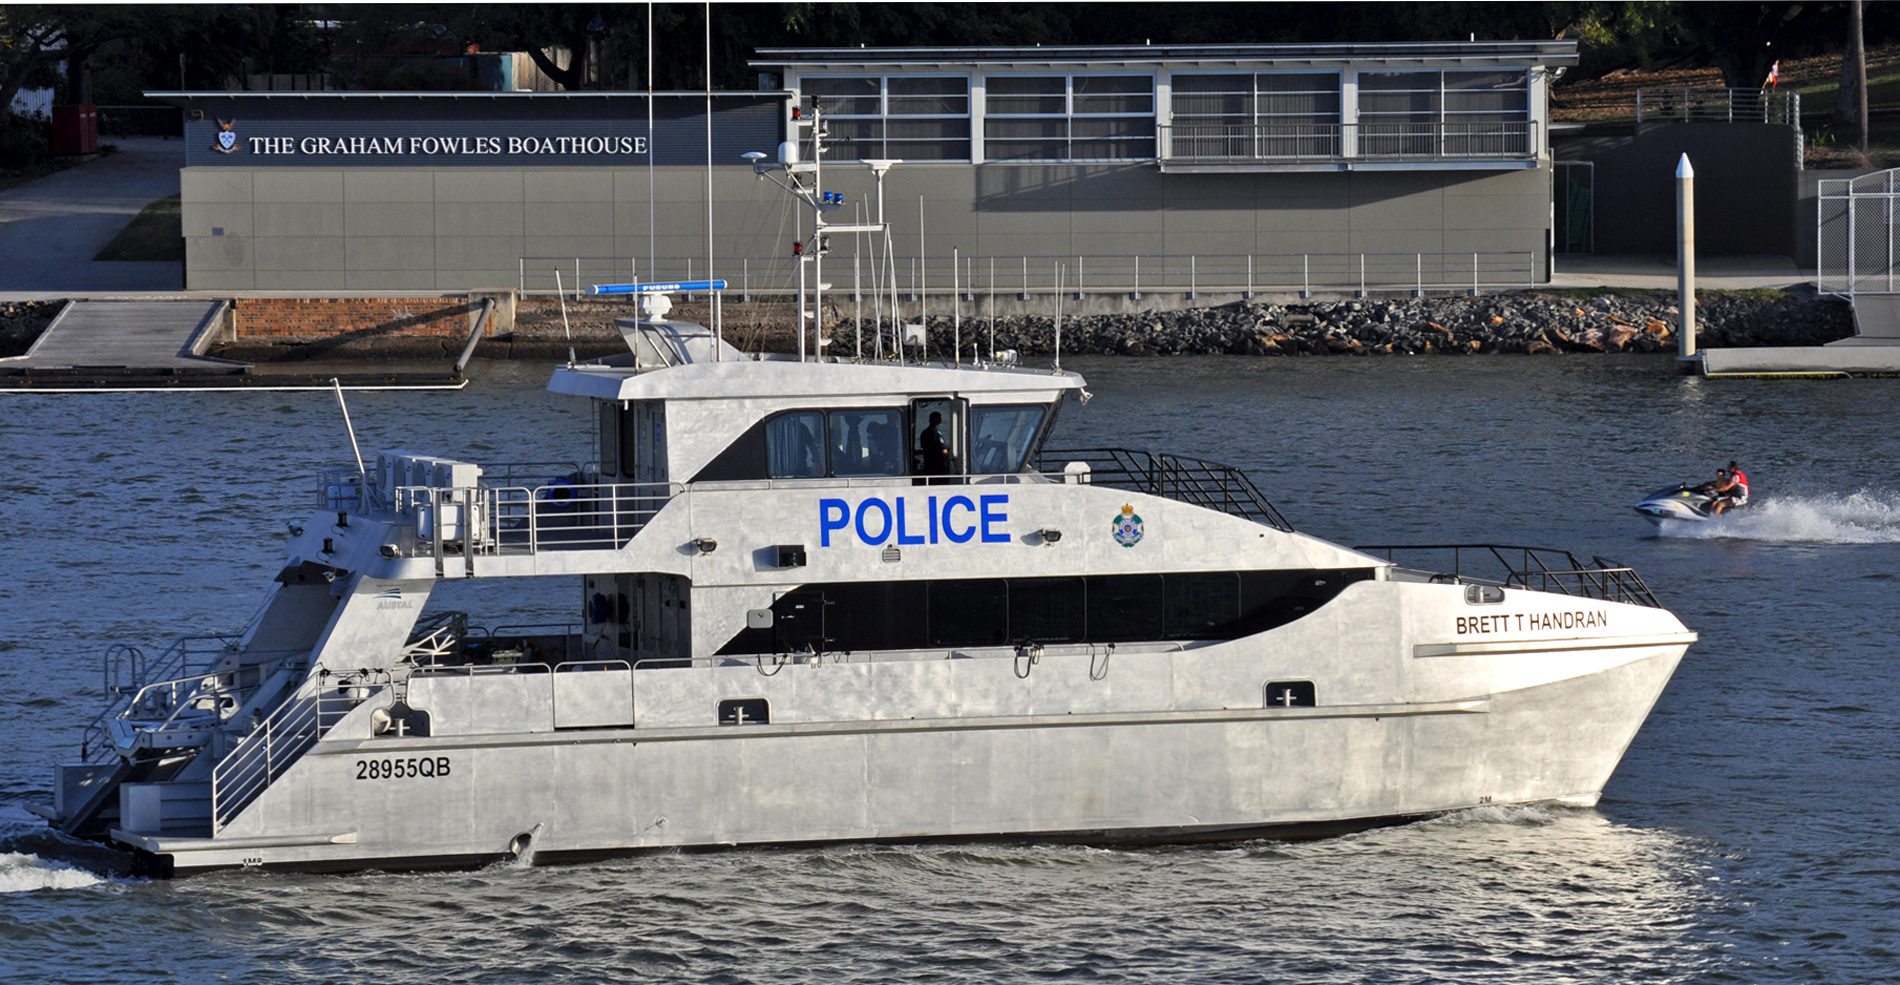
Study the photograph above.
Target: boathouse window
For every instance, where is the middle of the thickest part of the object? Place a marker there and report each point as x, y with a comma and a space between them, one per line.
1001, 437
912, 118
1406, 114
1069, 118
1255, 116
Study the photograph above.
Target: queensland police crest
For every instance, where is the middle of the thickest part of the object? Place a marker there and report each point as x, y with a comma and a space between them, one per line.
1128, 527
227, 142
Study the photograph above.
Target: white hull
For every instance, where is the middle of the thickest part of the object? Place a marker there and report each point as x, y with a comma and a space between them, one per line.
1058, 754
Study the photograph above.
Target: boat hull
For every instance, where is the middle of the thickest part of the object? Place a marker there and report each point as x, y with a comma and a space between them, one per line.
1100, 777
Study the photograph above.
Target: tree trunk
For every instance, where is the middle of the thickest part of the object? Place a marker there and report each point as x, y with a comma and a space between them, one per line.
569, 78
1859, 44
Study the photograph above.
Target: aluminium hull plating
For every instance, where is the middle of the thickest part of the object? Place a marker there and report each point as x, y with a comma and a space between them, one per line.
1553, 730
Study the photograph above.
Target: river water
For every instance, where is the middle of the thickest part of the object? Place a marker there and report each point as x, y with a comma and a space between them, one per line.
1747, 837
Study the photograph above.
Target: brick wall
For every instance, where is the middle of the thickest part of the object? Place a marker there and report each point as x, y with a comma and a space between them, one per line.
350, 317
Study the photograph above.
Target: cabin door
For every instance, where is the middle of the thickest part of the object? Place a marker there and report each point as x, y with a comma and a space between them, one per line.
642, 435
937, 449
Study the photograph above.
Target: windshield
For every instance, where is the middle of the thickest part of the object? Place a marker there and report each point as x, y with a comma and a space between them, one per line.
1001, 437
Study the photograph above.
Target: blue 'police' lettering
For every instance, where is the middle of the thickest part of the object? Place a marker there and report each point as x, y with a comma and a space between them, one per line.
956, 536
833, 514
876, 521
883, 532
992, 517
902, 537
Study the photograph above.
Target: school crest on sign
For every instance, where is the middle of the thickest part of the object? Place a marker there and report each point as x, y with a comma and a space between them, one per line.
227, 142
1127, 527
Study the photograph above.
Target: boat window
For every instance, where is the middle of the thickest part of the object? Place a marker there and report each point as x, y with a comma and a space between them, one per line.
1122, 608
795, 445
1001, 437
976, 612
969, 613
1201, 605
1045, 610
867, 442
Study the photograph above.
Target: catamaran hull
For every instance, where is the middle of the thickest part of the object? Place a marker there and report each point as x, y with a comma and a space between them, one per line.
1107, 777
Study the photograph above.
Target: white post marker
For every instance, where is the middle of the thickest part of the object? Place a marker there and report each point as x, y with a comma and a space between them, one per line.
1685, 258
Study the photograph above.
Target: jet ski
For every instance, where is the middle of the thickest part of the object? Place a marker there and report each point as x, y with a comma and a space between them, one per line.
1680, 502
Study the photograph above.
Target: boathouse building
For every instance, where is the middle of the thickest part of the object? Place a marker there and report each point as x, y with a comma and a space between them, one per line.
1120, 169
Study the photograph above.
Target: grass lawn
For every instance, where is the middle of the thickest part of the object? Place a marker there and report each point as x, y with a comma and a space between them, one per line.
157, 234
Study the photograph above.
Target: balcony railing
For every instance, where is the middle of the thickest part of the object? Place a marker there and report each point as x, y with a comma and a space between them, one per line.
1537, 569
1293, 143
1188, 480
1717, 105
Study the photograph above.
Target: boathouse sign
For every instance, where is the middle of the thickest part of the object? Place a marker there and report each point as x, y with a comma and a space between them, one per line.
337, 130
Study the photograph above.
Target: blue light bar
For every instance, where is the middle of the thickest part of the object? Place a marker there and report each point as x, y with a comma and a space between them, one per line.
670, 287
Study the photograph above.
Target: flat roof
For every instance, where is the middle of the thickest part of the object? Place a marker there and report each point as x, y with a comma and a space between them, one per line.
1541, 52
179, 97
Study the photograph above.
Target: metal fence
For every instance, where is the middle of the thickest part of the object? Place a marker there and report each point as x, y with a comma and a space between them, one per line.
1718, 105
1857, 251
1079, 277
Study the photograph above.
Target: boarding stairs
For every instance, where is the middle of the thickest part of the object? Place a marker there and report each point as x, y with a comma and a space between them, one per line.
281, 738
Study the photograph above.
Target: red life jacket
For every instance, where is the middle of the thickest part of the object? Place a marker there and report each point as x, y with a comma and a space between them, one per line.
1741, 479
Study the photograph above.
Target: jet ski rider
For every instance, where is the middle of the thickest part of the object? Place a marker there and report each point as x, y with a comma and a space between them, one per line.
1730, 488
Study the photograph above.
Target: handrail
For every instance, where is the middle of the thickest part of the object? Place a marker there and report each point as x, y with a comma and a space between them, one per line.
1602, 579
1716, 104
123, 689
1207, 484
279, 739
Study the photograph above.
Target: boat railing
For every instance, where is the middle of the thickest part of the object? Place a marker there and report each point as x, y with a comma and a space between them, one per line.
1188, 480
343, 489
1537, 569
283, 736
127, 672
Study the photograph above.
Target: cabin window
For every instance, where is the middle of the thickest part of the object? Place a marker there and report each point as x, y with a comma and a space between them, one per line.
795, 445
1122, 609
972, 612
1001, 437
1201, 606
1046, 610
867, 442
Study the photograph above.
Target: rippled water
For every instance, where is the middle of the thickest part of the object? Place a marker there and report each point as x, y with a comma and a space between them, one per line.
1746, 838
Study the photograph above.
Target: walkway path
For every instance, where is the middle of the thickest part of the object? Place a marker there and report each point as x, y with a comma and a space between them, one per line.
51, 228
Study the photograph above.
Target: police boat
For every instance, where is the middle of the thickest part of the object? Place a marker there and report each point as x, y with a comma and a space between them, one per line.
792, 628
848, 599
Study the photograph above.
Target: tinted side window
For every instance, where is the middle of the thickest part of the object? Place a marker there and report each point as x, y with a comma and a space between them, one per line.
973, 612
867, 442
1124, 608
1046, 610
795, 445
1201, 606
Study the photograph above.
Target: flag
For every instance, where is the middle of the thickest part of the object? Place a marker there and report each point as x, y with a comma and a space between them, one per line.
1774, 77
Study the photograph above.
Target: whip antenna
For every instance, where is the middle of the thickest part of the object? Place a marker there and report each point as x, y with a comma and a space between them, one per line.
356, 449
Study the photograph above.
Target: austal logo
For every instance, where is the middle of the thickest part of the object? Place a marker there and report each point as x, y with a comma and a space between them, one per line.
227, 142
438, 146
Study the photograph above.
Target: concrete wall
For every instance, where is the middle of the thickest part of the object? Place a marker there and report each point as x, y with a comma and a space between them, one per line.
1746, 177
468, 228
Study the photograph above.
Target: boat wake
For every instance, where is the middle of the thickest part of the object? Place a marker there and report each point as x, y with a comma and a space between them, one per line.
25, 872
1864, 517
